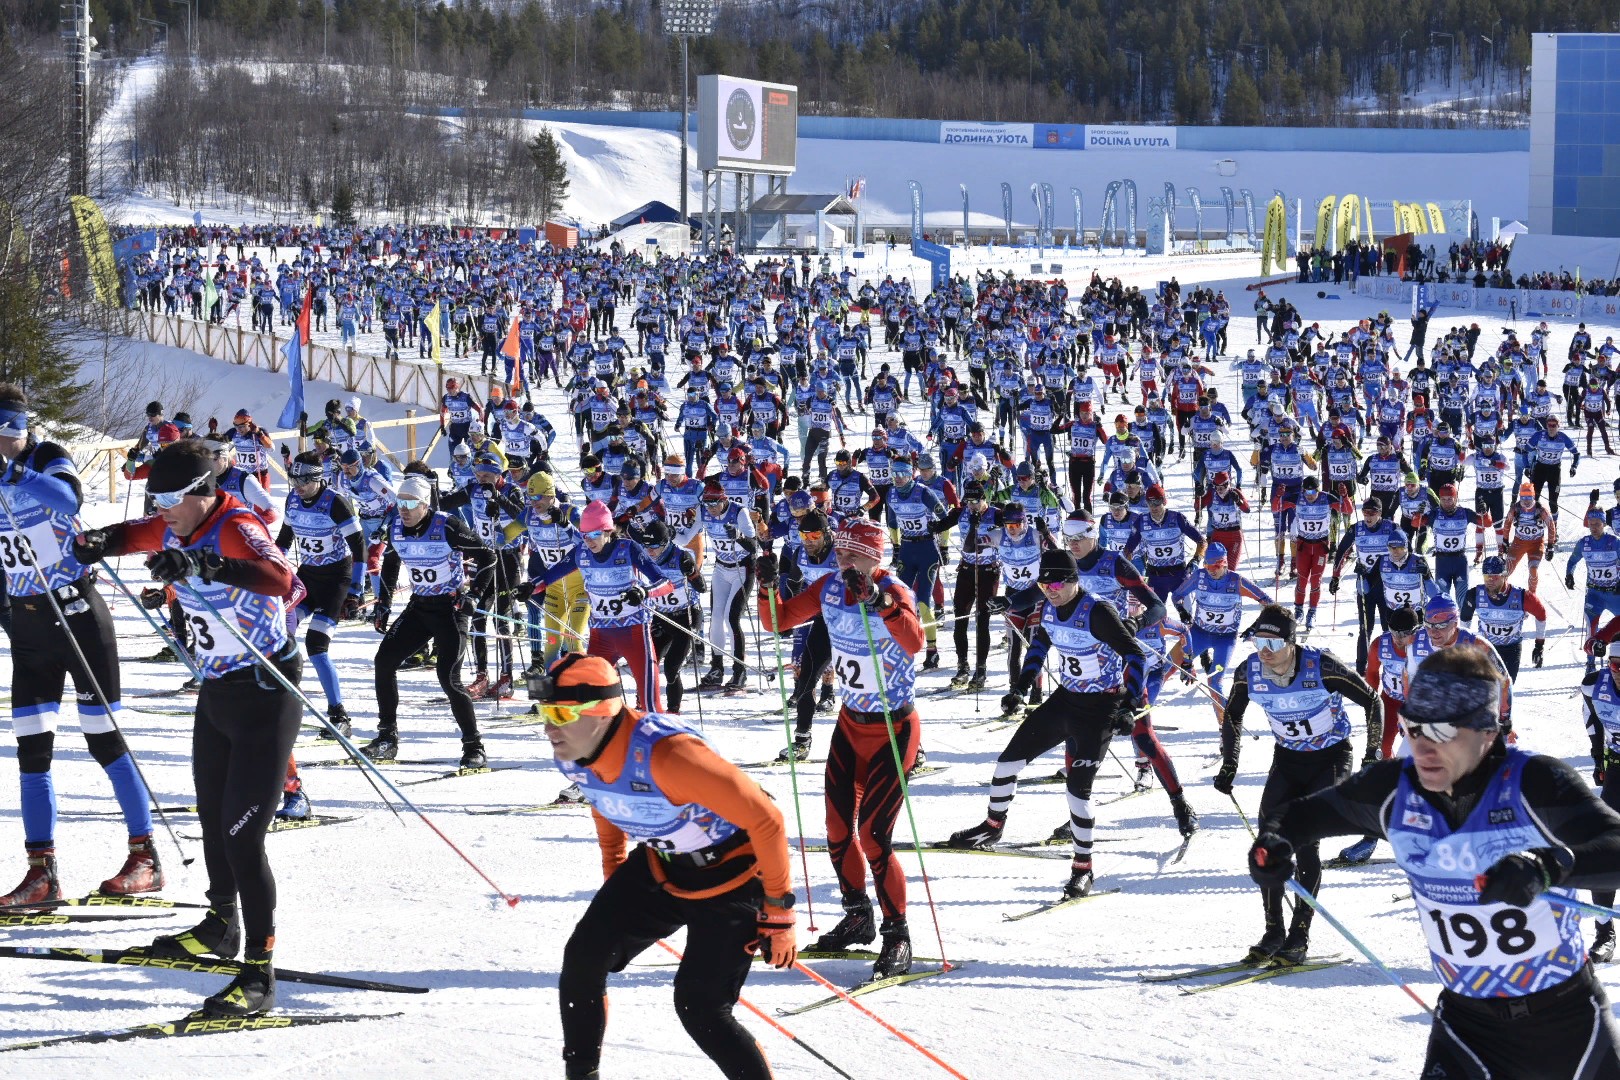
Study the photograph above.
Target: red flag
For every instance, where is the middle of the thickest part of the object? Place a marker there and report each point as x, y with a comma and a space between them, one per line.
303, 315
512, 350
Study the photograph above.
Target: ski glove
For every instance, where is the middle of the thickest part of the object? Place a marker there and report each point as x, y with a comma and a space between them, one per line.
153, 599
1225, 776
172, 565
778, 937
1124, 716
861, 588
351, 607
1569, 580
1537, 653
995, 605
634, 595
379, 617
522, 591
1333, 585
1519, 878
90, 546
1011, 703
1271, 861
765, 566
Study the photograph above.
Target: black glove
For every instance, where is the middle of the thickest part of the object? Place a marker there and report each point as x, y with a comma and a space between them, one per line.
90, 546
1600, 648
286, 452
1569, 580
1271, 861
464, 604
175, 564
859, 585
1225, 776
1182, 613
1333, 585
1040, 526
1538, 652
1011, 702
1600, 767
1124, 716
701, 584
1373, 755
731, 532
153, 599
379, 617
765, 566
997, 604
1519, 878
521, 592
351, 607
635, 594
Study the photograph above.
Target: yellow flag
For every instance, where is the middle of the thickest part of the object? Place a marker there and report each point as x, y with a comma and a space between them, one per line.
433, 329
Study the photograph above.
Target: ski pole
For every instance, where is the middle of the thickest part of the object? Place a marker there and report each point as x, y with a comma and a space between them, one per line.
1604, 913
793, 766
95, 686
900, 770
361, 759
1241, 815
1304, 894
884, 1024
757, 1011
196, 672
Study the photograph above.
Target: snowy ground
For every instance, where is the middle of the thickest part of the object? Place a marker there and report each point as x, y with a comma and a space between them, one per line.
1055, 995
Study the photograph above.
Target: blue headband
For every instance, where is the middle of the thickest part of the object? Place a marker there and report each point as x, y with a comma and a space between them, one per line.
13, 423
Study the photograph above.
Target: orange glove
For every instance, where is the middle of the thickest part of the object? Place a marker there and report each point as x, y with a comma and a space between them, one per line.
778, 937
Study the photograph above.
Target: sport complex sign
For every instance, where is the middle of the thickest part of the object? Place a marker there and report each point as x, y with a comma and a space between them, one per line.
1057, 136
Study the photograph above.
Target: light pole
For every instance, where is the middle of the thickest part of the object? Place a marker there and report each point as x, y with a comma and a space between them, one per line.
191, 27
1451, 47
1400, 58
687, 19
1133, 52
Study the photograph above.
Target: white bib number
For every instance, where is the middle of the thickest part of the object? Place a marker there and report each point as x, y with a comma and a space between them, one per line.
36, 545
611, 607
209, 637
1493, 934
1080, 668
1019, 576
855, 673
313, 545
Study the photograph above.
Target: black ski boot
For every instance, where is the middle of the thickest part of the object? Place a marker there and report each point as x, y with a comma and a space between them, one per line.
799, 751
1186, 816
1264, 950
978, 680
959, 681
219, 934
739, 678
385, 747
1602, 950
714, 677
828, 700
1296, 944
919, 761
251, 993
855, 928
894, 957
338, 717
981, 836
472, 756
1080, 879
930, 659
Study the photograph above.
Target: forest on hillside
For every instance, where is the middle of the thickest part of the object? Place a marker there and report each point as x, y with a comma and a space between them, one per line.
1183, 61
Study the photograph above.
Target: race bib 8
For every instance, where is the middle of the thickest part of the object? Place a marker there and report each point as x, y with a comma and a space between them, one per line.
1473, 935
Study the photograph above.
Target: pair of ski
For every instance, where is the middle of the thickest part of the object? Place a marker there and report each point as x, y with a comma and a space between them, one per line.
1243, 973
540, 808
870, 986
450, 774
197, 1023
93, 908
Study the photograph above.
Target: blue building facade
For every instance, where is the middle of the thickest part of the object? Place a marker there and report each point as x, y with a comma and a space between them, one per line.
1575, 134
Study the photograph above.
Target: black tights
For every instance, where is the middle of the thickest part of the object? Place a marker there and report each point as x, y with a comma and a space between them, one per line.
243, 734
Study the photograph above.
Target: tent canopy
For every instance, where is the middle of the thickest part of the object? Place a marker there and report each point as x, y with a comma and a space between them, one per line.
1511, 229
650, 212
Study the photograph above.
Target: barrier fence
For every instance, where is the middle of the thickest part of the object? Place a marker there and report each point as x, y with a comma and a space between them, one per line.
1509, 303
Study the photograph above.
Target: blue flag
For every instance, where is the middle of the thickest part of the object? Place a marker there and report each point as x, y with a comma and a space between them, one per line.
294, 352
